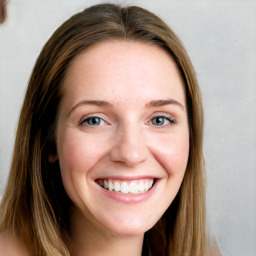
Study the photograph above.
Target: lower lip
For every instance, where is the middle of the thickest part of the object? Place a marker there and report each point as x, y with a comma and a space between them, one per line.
130, 198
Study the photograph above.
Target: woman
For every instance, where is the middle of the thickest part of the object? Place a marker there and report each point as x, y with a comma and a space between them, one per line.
108, 153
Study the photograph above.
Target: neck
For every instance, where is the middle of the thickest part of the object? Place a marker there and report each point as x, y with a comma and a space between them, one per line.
86, 240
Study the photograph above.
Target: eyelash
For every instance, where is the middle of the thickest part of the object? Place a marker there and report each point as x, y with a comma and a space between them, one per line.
101, 121
170, 120
86, 120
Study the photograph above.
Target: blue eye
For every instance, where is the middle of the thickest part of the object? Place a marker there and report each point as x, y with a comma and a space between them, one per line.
161, 121
93, 121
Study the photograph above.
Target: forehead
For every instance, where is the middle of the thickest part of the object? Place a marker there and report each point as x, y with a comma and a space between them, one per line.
122, 69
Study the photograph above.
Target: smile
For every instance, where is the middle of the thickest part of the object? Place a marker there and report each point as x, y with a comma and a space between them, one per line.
126, 187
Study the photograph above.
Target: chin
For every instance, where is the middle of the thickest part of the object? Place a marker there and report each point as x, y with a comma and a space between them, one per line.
129, 231
129, 225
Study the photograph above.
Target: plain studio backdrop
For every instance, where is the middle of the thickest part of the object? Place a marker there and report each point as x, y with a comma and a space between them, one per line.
220, 37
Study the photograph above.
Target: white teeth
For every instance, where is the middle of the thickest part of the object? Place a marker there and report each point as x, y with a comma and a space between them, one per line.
110, 186
117, 186
146, 186
124, 188
141, 186
134, 187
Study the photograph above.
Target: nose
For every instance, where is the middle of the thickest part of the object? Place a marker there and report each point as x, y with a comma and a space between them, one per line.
129, 147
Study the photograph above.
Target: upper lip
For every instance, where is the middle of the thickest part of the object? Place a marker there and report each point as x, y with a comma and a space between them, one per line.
126, 178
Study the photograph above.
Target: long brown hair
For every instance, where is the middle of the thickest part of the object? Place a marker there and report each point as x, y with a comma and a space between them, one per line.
35, 204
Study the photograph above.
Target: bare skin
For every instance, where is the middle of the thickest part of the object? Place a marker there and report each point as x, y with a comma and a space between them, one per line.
127, 125
213, 248
10, 246
108, 244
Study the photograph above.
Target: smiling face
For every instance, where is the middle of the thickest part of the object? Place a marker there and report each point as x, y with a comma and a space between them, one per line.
122, 136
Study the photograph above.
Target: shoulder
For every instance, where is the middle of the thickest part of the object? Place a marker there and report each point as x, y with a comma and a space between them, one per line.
10, 246
214, 248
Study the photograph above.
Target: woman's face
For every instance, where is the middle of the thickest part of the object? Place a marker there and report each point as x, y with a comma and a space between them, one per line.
122, 135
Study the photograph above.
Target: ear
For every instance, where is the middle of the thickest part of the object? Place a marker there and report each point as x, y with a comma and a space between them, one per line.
52, 158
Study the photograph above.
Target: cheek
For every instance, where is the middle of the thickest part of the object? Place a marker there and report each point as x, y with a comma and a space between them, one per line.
172, 154
77, 154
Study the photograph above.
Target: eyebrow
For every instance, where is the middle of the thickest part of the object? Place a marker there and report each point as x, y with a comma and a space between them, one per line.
153, 103
100, 103
159, 103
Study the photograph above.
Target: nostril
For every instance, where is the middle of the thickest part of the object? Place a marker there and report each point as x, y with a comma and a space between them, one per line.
129, 153
129, 158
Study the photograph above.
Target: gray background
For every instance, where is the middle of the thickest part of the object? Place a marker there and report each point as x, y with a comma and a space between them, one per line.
220, 37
